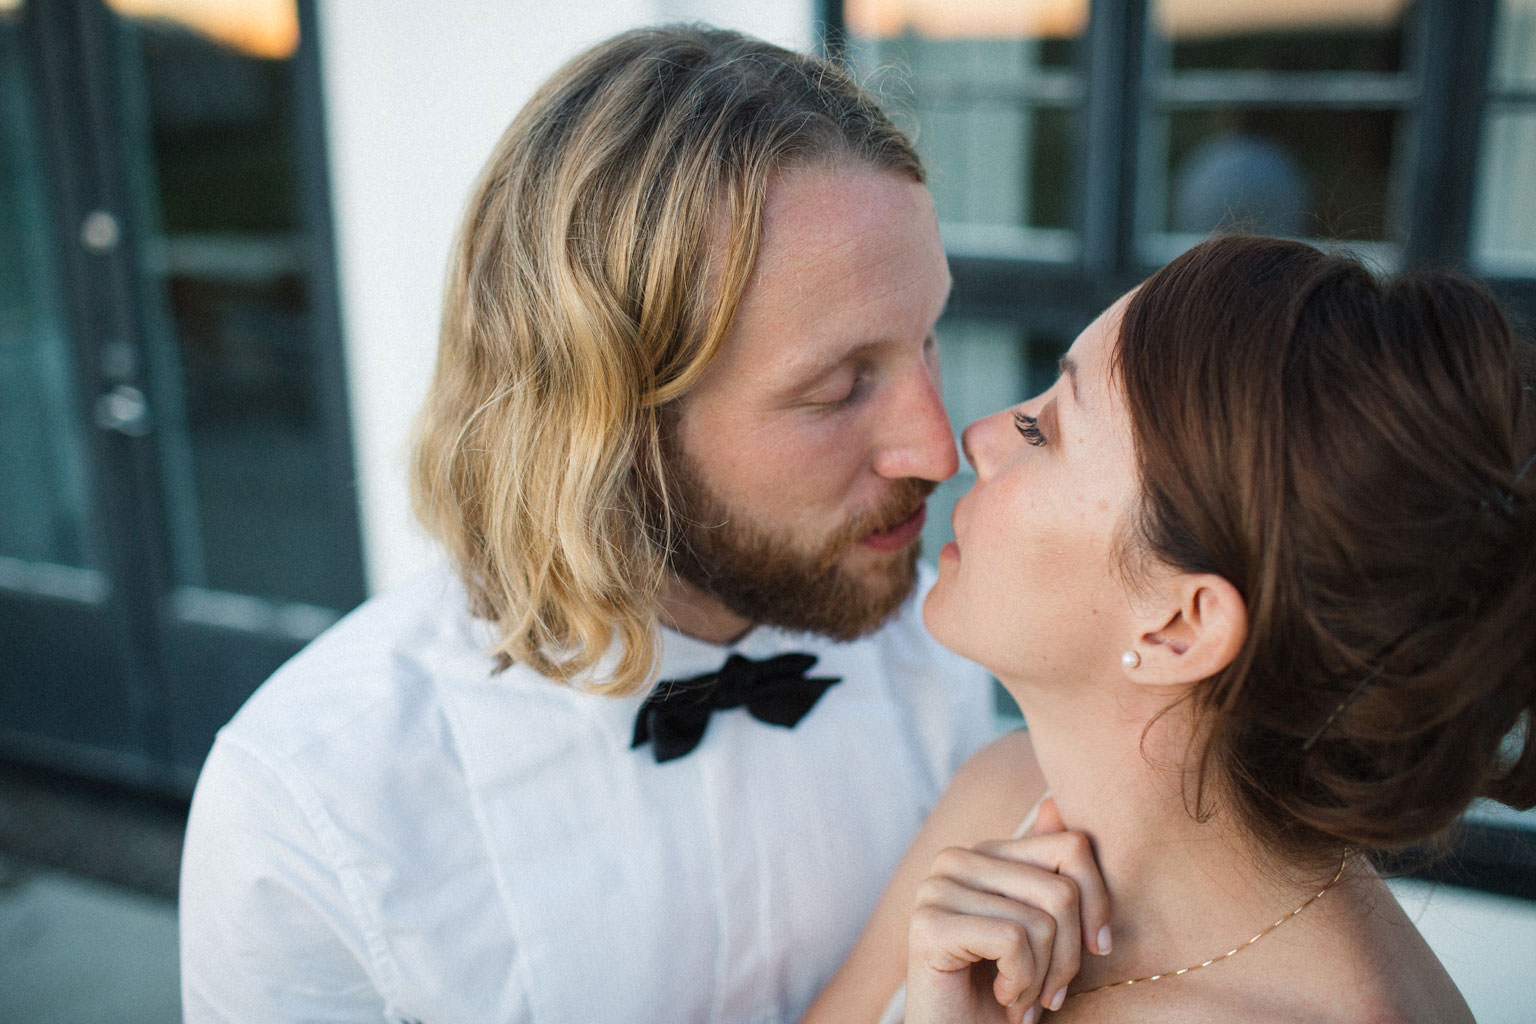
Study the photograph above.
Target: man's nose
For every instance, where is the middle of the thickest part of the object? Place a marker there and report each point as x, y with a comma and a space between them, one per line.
920, 441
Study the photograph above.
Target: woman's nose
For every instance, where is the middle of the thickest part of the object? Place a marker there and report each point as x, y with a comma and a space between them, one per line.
979, 441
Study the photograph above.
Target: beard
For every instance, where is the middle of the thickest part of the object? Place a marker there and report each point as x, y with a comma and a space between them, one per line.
766, 575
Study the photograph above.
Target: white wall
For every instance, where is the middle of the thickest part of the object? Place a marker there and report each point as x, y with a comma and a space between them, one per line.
1486, 942
416, 95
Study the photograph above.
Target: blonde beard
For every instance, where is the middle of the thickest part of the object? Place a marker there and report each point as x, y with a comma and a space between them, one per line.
766, 577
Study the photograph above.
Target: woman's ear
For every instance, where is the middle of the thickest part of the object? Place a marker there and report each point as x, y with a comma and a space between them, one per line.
1200, 638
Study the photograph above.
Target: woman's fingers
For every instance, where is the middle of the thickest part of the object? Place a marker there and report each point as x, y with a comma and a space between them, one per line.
1046, 902
1029, 906
1074, 858
957, 926
965, 967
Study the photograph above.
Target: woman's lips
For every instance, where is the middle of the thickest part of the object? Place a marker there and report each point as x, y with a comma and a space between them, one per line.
951, 549
900, 535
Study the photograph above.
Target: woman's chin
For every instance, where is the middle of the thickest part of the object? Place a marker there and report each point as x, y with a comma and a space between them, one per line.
942, 627
933, 615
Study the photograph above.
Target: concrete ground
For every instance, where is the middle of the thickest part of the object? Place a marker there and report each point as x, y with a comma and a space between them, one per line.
87, 902
78, 951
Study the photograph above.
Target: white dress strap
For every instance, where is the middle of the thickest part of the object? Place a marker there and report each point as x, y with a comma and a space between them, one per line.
1029, 819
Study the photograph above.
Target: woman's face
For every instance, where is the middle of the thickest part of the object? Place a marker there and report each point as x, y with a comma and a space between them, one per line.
1029, 587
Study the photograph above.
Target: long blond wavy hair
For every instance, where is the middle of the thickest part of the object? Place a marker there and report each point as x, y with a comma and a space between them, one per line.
588, 290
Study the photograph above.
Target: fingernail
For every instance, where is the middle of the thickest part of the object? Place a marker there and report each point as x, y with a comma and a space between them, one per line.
1054, 1003
1104, 941
1032, 1014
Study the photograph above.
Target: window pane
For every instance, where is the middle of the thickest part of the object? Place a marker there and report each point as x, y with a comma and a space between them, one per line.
1504, 231
1514, 44
1295, 172
1308, 35
997, 165
209, 111
45, 505
993, 89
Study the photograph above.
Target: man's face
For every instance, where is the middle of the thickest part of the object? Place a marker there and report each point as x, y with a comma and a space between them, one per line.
801, 459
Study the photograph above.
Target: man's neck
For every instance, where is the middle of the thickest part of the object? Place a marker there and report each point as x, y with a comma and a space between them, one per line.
692, 612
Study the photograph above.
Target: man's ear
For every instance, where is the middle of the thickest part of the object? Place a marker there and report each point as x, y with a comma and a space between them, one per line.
1200, 638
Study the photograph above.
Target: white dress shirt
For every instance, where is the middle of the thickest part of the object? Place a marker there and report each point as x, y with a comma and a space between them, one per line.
388, 831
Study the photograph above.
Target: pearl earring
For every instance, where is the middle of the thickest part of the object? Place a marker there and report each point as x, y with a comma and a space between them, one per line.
1130, 659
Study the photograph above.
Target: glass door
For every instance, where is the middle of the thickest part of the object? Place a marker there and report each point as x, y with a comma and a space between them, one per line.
172, 383
57, 589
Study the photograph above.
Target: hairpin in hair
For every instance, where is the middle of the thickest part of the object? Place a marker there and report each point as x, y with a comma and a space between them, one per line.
1506, 499
1383, 656
1354, 695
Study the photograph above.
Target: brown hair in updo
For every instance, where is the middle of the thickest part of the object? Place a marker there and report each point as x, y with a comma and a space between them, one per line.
1353, 455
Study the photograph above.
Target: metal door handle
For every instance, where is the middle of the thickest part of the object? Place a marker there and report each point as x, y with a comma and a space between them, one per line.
125, 410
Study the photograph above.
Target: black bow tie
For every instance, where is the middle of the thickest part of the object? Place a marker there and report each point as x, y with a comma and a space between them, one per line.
776, 691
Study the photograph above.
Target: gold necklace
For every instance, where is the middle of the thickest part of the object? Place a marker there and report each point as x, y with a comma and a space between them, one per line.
1231, 952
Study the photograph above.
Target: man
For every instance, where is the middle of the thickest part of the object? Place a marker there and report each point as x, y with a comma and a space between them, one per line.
686, 413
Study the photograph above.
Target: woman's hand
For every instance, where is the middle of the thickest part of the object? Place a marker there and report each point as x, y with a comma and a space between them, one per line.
999, 929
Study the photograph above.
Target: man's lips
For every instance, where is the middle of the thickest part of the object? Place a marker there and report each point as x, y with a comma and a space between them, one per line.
900, 535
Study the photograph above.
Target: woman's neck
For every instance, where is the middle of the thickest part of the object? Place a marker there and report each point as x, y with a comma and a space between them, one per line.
1181, 889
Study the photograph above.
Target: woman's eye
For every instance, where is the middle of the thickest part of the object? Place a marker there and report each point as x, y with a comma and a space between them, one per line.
1029, 428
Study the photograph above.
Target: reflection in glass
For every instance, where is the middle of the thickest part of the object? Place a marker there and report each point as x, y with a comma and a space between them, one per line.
992, 86
260, 28
1504, 234
1514, 44
1240, 177
45, 505
1310, 173
207, 101
1050, 24
1301, 35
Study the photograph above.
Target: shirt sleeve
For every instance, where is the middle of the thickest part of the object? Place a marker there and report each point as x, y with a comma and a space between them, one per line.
267, 929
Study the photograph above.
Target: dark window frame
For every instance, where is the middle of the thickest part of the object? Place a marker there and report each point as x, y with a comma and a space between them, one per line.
1444, 90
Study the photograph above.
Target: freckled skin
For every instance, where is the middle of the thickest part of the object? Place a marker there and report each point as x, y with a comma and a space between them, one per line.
1034, 537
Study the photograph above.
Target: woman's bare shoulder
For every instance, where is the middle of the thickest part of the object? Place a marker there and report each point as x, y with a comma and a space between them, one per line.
992, 792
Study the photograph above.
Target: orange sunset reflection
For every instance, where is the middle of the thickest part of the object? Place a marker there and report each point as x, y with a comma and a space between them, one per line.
1048, 19
260, 28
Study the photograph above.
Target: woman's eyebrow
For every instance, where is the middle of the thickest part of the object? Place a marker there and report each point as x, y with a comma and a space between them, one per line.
1067, 368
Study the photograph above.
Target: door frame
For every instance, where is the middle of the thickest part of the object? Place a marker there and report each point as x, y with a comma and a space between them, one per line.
128, 682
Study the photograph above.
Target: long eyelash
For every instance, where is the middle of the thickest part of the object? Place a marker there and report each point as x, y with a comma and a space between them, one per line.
1029, 426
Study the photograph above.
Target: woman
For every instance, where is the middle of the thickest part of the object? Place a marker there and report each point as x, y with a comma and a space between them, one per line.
1260, 570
